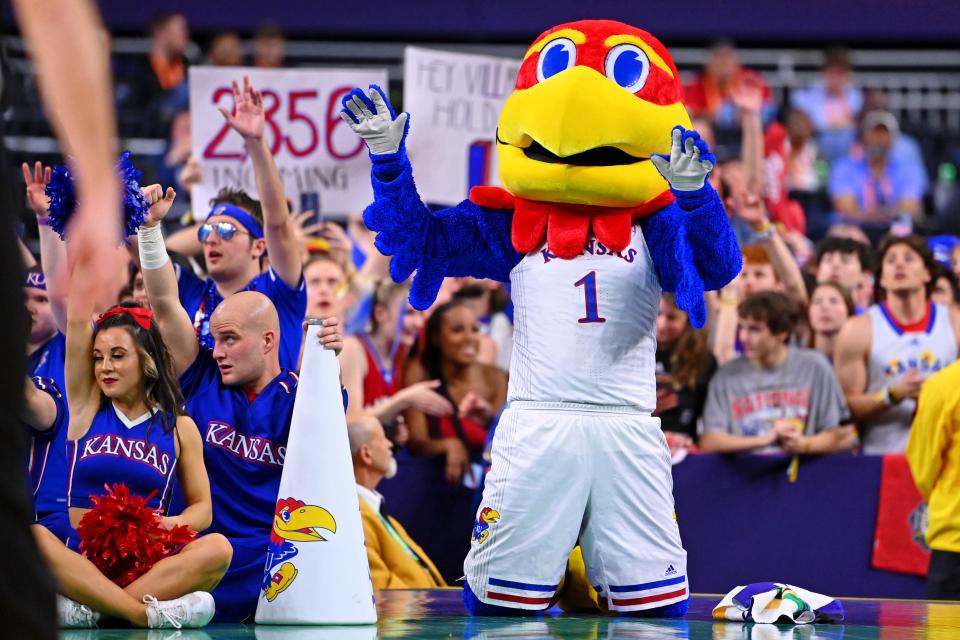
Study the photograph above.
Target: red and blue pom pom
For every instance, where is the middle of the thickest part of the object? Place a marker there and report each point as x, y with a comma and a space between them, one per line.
63, 201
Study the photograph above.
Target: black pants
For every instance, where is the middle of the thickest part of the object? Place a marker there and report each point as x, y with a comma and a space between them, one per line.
943, 577
27, 604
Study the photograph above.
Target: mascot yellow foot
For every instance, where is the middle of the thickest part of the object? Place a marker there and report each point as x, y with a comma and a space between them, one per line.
282, 578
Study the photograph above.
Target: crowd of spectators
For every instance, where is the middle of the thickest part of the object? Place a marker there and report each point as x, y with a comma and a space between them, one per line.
821, 345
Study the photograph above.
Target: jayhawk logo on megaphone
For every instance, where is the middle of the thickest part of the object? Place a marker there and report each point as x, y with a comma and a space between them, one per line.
294, 521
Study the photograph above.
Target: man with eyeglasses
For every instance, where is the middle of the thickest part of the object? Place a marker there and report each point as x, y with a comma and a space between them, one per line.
239, 231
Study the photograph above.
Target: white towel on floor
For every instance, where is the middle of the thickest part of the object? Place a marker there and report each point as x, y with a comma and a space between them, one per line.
775, 602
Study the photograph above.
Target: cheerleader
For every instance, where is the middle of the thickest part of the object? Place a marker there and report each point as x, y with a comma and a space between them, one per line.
126, 426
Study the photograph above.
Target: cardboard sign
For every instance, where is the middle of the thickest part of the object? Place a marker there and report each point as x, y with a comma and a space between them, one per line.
317, 154
454, 101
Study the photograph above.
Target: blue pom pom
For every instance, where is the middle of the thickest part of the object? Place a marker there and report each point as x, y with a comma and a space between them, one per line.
135, 206
63, 202
62, 197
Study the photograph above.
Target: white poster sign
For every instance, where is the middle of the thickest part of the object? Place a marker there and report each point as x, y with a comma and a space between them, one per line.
319, 158
454, 101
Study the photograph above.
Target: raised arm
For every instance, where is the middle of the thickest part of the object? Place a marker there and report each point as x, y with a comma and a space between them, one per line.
72, 65
53, 251
753, 212
39, 410
465, 240
95, 282
160, 281
86, 287
784, 263
248, 120
691, 242
748, 97
724, 339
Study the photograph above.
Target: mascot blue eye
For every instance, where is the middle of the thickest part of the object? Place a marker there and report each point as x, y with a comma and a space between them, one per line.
628, 66
285, 515
559, 55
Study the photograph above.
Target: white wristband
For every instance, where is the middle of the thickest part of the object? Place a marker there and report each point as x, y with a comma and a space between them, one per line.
153, 252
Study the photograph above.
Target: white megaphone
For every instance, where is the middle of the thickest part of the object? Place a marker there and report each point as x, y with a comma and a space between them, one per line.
316, 559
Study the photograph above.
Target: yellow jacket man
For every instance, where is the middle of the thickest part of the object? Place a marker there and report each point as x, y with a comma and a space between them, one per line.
396, 561
933, 451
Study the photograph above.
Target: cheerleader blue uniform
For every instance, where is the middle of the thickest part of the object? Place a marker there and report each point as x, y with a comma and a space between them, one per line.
47, 466
47, 360
137, 453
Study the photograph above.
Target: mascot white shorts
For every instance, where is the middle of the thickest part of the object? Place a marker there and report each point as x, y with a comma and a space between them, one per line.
566, 473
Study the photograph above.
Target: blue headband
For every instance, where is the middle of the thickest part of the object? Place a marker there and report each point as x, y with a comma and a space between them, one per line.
244, 218
36, 280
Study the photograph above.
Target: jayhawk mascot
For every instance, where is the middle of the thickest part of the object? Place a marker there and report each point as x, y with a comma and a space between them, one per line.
605, 203
293, 521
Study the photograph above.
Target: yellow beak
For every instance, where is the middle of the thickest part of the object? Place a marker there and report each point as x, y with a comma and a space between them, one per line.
304, 524
579, 111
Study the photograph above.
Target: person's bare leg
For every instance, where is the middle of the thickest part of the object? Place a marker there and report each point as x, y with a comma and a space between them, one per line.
80, 580
198, 567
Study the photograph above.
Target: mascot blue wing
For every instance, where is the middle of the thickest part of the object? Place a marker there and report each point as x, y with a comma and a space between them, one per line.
693, 249
715, 250
464, 240
278, 553
665, 234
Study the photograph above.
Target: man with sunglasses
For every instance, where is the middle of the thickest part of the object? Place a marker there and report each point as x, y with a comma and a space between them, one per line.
239, 231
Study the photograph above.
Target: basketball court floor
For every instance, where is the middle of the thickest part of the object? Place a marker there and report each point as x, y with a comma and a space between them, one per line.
435, 614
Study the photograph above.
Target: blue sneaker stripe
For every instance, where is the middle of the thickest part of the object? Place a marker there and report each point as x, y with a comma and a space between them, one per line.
647, 585
496, 582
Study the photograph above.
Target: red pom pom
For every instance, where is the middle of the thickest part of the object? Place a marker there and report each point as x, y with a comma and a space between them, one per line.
124, 538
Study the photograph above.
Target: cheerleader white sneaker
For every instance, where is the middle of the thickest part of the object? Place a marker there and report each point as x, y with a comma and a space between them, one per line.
191, 611
73, 615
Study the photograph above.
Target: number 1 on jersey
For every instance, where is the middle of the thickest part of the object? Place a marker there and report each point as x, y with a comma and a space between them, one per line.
589, 284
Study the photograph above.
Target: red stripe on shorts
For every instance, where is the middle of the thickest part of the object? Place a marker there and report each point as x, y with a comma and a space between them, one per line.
509, 597
647, 599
